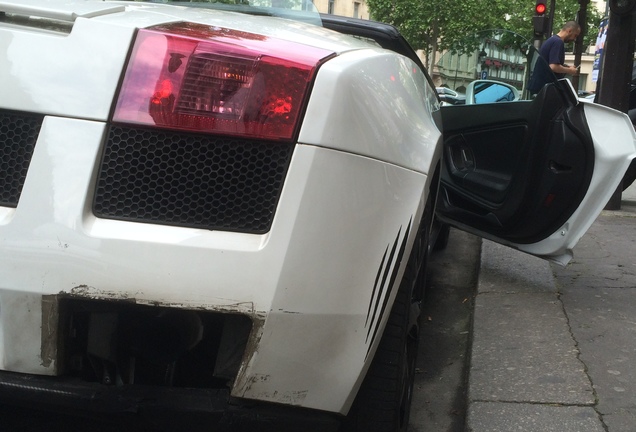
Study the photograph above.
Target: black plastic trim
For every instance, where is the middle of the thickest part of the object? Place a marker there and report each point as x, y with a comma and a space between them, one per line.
159, 408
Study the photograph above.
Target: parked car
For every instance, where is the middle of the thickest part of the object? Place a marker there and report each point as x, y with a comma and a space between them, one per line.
227, 212
489, 91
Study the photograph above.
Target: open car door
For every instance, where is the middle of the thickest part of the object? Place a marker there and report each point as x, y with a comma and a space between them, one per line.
526, 164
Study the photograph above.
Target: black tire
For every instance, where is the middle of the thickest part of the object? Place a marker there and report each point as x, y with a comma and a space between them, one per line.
630, 175
383, 403
441, 241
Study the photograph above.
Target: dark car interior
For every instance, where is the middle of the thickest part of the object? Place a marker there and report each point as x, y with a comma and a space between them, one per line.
545, 139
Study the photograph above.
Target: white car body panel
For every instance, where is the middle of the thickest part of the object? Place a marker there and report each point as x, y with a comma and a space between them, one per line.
345, 117
80, 71
324, 309
68, 11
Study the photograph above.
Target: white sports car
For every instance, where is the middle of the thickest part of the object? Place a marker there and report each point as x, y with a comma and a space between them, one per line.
227, 212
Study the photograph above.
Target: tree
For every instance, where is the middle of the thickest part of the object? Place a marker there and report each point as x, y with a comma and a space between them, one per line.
439, 25
565, 10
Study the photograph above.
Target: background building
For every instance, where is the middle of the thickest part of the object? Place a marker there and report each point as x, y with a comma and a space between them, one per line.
497, 62
349, 8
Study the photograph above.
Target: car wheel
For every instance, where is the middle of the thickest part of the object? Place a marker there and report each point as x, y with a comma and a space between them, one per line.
441, 241
383, 402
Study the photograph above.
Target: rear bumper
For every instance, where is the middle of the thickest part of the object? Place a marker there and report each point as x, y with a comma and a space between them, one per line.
315, 330
161, 408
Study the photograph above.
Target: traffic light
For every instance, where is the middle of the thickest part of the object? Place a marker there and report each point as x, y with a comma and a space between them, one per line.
539, 20
540, 8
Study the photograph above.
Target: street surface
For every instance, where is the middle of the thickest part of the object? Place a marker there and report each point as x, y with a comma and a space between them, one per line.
553, 348
598, 291
439, 400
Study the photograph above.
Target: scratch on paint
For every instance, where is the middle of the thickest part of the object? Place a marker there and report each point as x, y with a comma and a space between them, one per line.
293, 397
50, 316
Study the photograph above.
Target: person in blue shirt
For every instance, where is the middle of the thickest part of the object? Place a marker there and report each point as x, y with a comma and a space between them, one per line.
552, 61
553, 50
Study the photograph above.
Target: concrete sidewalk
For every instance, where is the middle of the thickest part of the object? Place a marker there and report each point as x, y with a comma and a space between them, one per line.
528, 371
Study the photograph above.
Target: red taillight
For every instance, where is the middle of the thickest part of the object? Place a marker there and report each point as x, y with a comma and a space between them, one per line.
205, 79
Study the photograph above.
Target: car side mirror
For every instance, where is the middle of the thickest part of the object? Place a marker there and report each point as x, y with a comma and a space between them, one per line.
489, 91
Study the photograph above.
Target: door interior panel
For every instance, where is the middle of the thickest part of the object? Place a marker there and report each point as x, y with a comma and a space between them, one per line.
471, 163
516, 170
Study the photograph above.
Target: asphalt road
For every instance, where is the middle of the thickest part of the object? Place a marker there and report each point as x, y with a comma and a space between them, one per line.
439, 400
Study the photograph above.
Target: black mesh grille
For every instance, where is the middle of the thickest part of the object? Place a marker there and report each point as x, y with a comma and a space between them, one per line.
18, 134
190, 180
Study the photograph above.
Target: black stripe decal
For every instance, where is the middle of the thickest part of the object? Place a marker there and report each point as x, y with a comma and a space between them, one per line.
375, 285
383, 286
394, 273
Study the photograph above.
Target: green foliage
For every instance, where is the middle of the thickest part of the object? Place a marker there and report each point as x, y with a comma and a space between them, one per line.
565, 10
448, 24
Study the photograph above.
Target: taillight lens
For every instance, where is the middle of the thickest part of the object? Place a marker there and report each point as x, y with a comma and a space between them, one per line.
208, 79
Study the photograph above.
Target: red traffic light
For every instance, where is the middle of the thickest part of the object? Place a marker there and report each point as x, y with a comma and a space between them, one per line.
540, 8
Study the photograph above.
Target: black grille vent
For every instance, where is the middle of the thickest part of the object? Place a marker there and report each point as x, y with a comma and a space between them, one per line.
200, 181
18, 134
